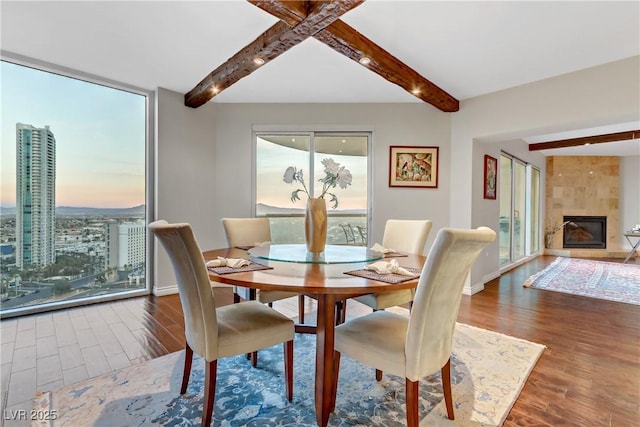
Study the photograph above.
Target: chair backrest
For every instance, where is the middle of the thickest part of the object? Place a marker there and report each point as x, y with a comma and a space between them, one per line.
198, 302
246, 231
437, 300
406, 235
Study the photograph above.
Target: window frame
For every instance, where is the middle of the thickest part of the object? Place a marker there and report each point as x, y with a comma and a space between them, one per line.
311, 130
149, 179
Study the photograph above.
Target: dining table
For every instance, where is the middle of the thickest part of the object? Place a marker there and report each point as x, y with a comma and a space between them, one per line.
330, 277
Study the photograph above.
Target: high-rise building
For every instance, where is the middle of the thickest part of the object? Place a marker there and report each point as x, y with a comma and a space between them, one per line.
124, 244
35, 196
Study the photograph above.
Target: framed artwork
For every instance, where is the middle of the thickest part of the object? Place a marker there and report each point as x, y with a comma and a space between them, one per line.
490, 177
413, 167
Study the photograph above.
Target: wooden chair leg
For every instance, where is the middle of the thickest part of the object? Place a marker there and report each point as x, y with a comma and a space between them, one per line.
446, 388
301, 309
334, 383
378, 371
288, 368
254, 359
341, 312
188, 359
211, 369
413, 418
344, 312
338, 308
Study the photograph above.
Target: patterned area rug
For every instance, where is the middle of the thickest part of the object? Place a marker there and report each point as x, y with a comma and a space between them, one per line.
488, 372
596, 279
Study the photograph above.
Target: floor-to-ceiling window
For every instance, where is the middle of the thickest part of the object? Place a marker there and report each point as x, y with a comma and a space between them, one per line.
306, 151
519, 195
73, 189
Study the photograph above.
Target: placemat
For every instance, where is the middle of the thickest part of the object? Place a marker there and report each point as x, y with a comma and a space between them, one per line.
394, 255
251, 267
388, 278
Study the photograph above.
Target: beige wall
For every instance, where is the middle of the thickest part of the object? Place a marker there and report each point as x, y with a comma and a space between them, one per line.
185, 188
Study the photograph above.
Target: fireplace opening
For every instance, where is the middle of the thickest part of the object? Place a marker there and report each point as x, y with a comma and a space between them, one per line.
585, 232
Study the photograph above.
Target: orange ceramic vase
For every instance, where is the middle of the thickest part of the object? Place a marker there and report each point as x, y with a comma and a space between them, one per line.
315, 225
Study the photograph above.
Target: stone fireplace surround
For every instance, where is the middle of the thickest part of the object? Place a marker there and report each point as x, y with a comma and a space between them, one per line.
583, 186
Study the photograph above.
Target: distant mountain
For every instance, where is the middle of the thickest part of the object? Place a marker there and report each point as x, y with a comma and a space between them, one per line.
262, 210
86, 211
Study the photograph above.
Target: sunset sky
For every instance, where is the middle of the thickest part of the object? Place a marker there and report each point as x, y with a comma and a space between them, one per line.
99, 132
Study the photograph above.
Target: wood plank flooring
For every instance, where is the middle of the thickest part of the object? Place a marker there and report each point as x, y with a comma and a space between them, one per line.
589, 375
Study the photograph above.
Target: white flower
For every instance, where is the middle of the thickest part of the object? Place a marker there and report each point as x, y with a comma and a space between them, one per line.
335, 175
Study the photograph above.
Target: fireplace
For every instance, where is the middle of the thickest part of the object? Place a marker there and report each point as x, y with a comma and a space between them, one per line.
585, 232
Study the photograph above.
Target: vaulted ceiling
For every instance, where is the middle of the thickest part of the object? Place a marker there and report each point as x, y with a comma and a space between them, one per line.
464, 49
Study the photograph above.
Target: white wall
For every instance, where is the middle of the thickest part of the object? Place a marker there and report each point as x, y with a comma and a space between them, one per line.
603, 95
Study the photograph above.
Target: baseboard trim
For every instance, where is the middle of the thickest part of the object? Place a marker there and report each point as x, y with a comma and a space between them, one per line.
473, 289
168, 290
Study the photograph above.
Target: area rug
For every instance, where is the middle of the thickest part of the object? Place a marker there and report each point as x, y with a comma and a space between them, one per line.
488, 372
596, 279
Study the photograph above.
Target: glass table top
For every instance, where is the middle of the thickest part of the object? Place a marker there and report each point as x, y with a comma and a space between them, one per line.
333, 254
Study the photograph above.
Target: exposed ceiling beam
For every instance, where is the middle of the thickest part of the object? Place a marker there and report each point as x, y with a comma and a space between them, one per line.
596, 139
300, 19
344, 39
269, 45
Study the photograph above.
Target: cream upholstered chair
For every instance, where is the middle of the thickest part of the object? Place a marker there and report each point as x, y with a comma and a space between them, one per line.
402, 235
244, 232
213, 332
419, 345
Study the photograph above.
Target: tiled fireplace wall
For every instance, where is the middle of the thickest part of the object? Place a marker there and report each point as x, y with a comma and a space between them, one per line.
583, 185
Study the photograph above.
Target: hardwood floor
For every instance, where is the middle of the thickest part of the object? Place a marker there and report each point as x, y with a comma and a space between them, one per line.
589, 374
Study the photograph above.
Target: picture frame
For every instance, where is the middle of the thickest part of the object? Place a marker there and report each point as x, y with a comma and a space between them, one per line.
490, 177
414, 167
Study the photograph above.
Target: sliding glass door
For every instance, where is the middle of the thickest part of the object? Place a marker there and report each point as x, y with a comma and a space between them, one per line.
348, 222
519, 195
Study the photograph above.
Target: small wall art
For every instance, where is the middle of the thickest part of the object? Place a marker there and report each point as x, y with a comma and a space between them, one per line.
490, 177
413, 167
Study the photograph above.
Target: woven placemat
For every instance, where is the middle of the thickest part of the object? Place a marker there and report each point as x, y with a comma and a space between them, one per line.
251, 267
394, 255
388, 278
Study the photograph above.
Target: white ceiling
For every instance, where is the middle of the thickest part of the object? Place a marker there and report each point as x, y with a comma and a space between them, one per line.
466, 48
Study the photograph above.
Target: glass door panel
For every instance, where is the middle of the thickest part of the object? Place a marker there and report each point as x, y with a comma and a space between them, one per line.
535, 211
348, 222
505, 189
519, 209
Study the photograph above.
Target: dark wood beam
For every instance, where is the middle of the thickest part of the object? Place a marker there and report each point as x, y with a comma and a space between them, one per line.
596, 139
349, 42
269, 45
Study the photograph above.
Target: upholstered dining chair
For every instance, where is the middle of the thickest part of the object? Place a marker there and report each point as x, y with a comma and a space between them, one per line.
401, 235
211, 332
246, 232
419, 345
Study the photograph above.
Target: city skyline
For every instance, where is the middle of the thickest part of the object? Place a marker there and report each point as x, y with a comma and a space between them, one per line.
100, 134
